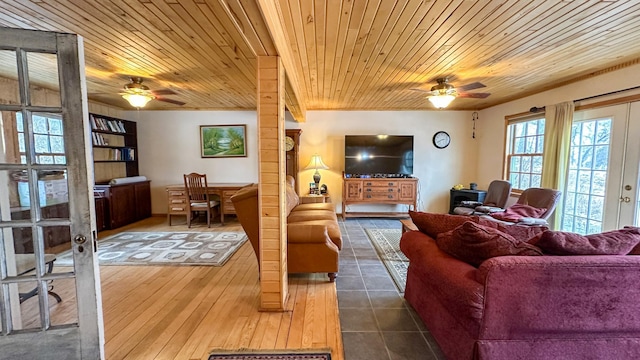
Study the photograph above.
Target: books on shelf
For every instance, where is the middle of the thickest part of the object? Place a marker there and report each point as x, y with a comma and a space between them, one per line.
121, 154
98, 139
99, 123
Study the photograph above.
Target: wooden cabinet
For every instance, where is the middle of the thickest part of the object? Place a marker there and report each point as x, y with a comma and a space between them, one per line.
52, 235
407, 191
101, 214
292, 154
127, 203
353, 190
142, 193
394, 191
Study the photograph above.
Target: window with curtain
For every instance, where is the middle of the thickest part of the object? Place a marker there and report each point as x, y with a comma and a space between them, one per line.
525, 144
48, 139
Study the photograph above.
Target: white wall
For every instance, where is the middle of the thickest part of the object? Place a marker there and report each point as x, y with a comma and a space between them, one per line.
491, 127
169, 146
438, 170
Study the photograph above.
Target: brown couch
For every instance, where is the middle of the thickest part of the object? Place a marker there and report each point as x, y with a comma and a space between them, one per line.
313, 234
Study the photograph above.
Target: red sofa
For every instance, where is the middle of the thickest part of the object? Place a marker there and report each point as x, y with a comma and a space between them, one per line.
525, 307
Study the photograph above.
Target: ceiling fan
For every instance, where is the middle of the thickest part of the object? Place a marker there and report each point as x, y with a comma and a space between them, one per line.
139, 95
442, 95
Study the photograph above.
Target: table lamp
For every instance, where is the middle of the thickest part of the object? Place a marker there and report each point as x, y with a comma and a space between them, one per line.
316, 163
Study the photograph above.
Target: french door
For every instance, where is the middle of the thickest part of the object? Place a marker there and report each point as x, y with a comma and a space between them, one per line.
602, 182
48, 309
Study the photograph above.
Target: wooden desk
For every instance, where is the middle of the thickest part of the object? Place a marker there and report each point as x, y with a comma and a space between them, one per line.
178, 198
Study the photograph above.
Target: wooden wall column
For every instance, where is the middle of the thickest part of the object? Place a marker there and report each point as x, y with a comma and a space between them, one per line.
272, 199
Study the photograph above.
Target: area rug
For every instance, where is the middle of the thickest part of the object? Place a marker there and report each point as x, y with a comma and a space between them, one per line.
387, 244
165, 248
270, 355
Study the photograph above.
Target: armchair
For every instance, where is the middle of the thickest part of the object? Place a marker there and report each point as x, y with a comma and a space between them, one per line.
497, 196
534, 207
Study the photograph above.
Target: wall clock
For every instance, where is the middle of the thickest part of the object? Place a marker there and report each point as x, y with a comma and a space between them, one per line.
288, 143
441, 139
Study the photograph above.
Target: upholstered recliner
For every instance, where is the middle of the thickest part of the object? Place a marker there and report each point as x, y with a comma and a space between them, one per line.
497, 196
541, 198
313, 234
534, 207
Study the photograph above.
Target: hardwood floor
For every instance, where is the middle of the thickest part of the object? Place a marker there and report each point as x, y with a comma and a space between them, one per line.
184, 312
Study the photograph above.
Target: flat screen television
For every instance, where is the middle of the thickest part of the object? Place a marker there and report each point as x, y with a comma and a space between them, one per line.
390, 155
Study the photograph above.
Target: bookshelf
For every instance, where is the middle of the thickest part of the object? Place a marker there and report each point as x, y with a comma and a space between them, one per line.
115, 155
114, 148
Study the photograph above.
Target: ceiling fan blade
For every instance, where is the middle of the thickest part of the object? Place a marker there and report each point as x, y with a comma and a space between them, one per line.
170, 101
472, 86
163, 92
473, 95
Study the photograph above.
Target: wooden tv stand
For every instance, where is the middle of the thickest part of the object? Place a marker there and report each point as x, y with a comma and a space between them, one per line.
396, 191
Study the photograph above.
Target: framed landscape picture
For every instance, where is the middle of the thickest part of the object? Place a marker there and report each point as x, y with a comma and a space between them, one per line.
218, 141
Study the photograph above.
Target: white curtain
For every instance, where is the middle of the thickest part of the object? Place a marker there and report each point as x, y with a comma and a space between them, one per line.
557, 141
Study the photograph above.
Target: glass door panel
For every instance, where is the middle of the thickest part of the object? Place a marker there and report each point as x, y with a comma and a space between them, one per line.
594, 174
586, 181
49, 285
43, 79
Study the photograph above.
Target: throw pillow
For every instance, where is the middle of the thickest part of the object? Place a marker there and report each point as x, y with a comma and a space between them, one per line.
516, 211
616, 242
434, 224
474, 243
519, 232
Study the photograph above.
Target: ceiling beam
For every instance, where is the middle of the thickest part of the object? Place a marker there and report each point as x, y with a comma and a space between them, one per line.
294, 99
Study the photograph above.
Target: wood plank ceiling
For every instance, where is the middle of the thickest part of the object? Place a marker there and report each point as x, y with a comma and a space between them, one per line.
340, 54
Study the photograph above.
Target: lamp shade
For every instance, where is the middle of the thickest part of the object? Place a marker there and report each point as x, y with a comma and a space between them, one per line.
138, 100
316, 163
441, 101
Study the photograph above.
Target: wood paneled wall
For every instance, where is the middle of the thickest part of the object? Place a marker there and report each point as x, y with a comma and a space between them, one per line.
272, 198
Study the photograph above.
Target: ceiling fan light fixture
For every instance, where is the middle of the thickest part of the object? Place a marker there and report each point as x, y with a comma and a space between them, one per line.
441, 101
138, 100
136, 94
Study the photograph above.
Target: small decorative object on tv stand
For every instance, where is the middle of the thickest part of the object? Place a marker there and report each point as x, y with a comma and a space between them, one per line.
385, 190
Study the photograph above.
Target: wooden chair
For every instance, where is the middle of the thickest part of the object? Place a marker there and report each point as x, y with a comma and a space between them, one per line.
198, 199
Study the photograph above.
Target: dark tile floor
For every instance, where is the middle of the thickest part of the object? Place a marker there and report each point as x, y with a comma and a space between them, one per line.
377, 323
